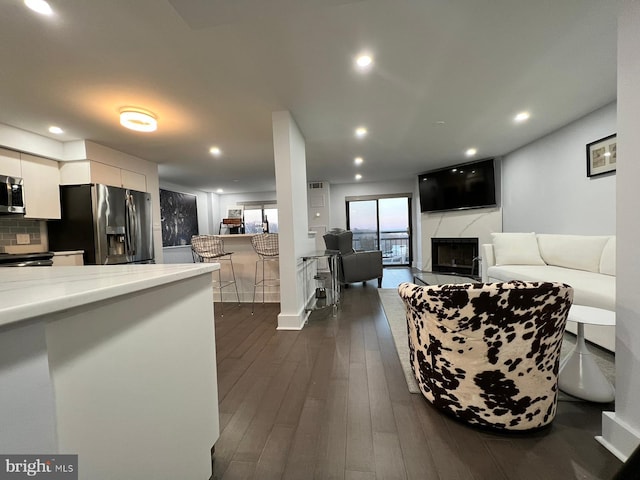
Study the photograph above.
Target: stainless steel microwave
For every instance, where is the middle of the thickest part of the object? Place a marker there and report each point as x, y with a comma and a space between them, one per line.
11, 195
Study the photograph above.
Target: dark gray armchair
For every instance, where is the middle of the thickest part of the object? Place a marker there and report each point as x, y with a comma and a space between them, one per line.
354, 266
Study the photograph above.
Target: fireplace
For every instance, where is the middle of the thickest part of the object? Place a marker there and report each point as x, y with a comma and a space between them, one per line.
455, 255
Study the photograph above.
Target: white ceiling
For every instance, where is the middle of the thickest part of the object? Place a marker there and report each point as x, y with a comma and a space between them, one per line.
213, 71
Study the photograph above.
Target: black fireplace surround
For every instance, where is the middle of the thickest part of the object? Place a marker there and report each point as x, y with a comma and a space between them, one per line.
455, 255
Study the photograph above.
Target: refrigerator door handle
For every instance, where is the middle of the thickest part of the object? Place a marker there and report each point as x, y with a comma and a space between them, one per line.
131, 233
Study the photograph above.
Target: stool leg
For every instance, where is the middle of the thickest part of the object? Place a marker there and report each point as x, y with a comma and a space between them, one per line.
220, 288
255, 284
233, 272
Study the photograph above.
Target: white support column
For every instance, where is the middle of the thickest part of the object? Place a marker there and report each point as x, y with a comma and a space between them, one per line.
293, 223
621, 429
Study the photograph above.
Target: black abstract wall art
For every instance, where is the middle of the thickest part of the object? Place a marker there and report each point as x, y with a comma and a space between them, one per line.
179, 216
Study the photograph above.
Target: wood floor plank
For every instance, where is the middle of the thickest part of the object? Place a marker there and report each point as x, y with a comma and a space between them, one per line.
332, 441
303, 452
418, 462
382, 419
355, 475
442, 445
273, 459
235, 429
359, 455
322, 369
240, 471
291, 408
255, 438
473, 450
388, 457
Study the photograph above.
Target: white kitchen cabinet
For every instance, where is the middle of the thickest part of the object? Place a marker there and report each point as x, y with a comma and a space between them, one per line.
10, 163
105, 174
87, 171
133, 180
41, 187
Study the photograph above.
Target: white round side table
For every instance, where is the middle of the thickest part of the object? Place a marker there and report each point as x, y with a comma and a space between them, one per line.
580, 376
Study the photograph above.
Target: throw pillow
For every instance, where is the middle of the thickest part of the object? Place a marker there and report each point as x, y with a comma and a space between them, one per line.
516, 249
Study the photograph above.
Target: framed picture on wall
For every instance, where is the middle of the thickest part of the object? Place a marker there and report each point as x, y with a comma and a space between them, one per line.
601, 156
179, 218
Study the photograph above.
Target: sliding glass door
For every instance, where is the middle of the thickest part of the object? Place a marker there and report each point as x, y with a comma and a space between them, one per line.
382, 223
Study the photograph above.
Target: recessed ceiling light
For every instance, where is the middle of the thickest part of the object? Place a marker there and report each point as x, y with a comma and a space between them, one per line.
364, 62
56, 130
138, 120
358, 160
358, 176
219, 190
521, 117
361, 132
440, 123
215, 151
471, 152
39, 6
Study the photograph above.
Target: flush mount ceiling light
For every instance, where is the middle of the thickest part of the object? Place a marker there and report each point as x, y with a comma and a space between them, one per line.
364, 62
39, 6
471, 152
358, 176
138, 120
361, 132
358, 160
55, 130
215, 151
521, 117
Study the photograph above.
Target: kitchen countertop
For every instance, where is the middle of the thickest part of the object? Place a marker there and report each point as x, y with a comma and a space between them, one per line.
32, 291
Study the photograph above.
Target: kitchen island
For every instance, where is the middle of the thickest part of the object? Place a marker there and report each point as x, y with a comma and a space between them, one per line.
113, 363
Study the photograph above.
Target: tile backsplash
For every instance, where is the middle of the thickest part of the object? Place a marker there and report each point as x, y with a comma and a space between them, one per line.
11, 226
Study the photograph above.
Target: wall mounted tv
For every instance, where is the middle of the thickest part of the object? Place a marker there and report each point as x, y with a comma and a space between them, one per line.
470, 185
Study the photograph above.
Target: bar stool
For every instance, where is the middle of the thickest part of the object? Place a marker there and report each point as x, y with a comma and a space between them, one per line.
208, 249
266, 247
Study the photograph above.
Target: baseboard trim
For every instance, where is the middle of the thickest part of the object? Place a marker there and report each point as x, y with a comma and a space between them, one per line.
292, 322
617, 436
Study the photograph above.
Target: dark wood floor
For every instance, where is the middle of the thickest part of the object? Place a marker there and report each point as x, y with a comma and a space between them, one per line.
331, 401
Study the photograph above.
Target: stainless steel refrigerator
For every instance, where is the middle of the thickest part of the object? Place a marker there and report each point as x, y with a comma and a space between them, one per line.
112, 225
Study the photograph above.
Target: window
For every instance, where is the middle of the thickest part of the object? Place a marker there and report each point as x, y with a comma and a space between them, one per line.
261, 218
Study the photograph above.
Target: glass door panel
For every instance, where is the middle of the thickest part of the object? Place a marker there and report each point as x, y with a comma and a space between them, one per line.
363, 222
393, 214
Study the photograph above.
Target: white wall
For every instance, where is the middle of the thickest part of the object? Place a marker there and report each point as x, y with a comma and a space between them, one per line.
621, 429
545, 188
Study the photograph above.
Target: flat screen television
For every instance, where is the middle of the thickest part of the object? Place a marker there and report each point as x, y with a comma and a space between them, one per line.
470, 185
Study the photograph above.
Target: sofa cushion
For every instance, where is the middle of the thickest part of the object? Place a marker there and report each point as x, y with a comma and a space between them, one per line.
591, 289
580, 252
516, 249
608, 259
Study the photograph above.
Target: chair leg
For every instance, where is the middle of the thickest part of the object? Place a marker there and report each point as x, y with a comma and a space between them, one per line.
379, 282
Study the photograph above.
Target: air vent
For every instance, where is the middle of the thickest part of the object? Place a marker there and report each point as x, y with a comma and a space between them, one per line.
314, 185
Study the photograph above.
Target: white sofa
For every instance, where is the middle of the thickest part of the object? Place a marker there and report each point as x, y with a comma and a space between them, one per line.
587, 263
